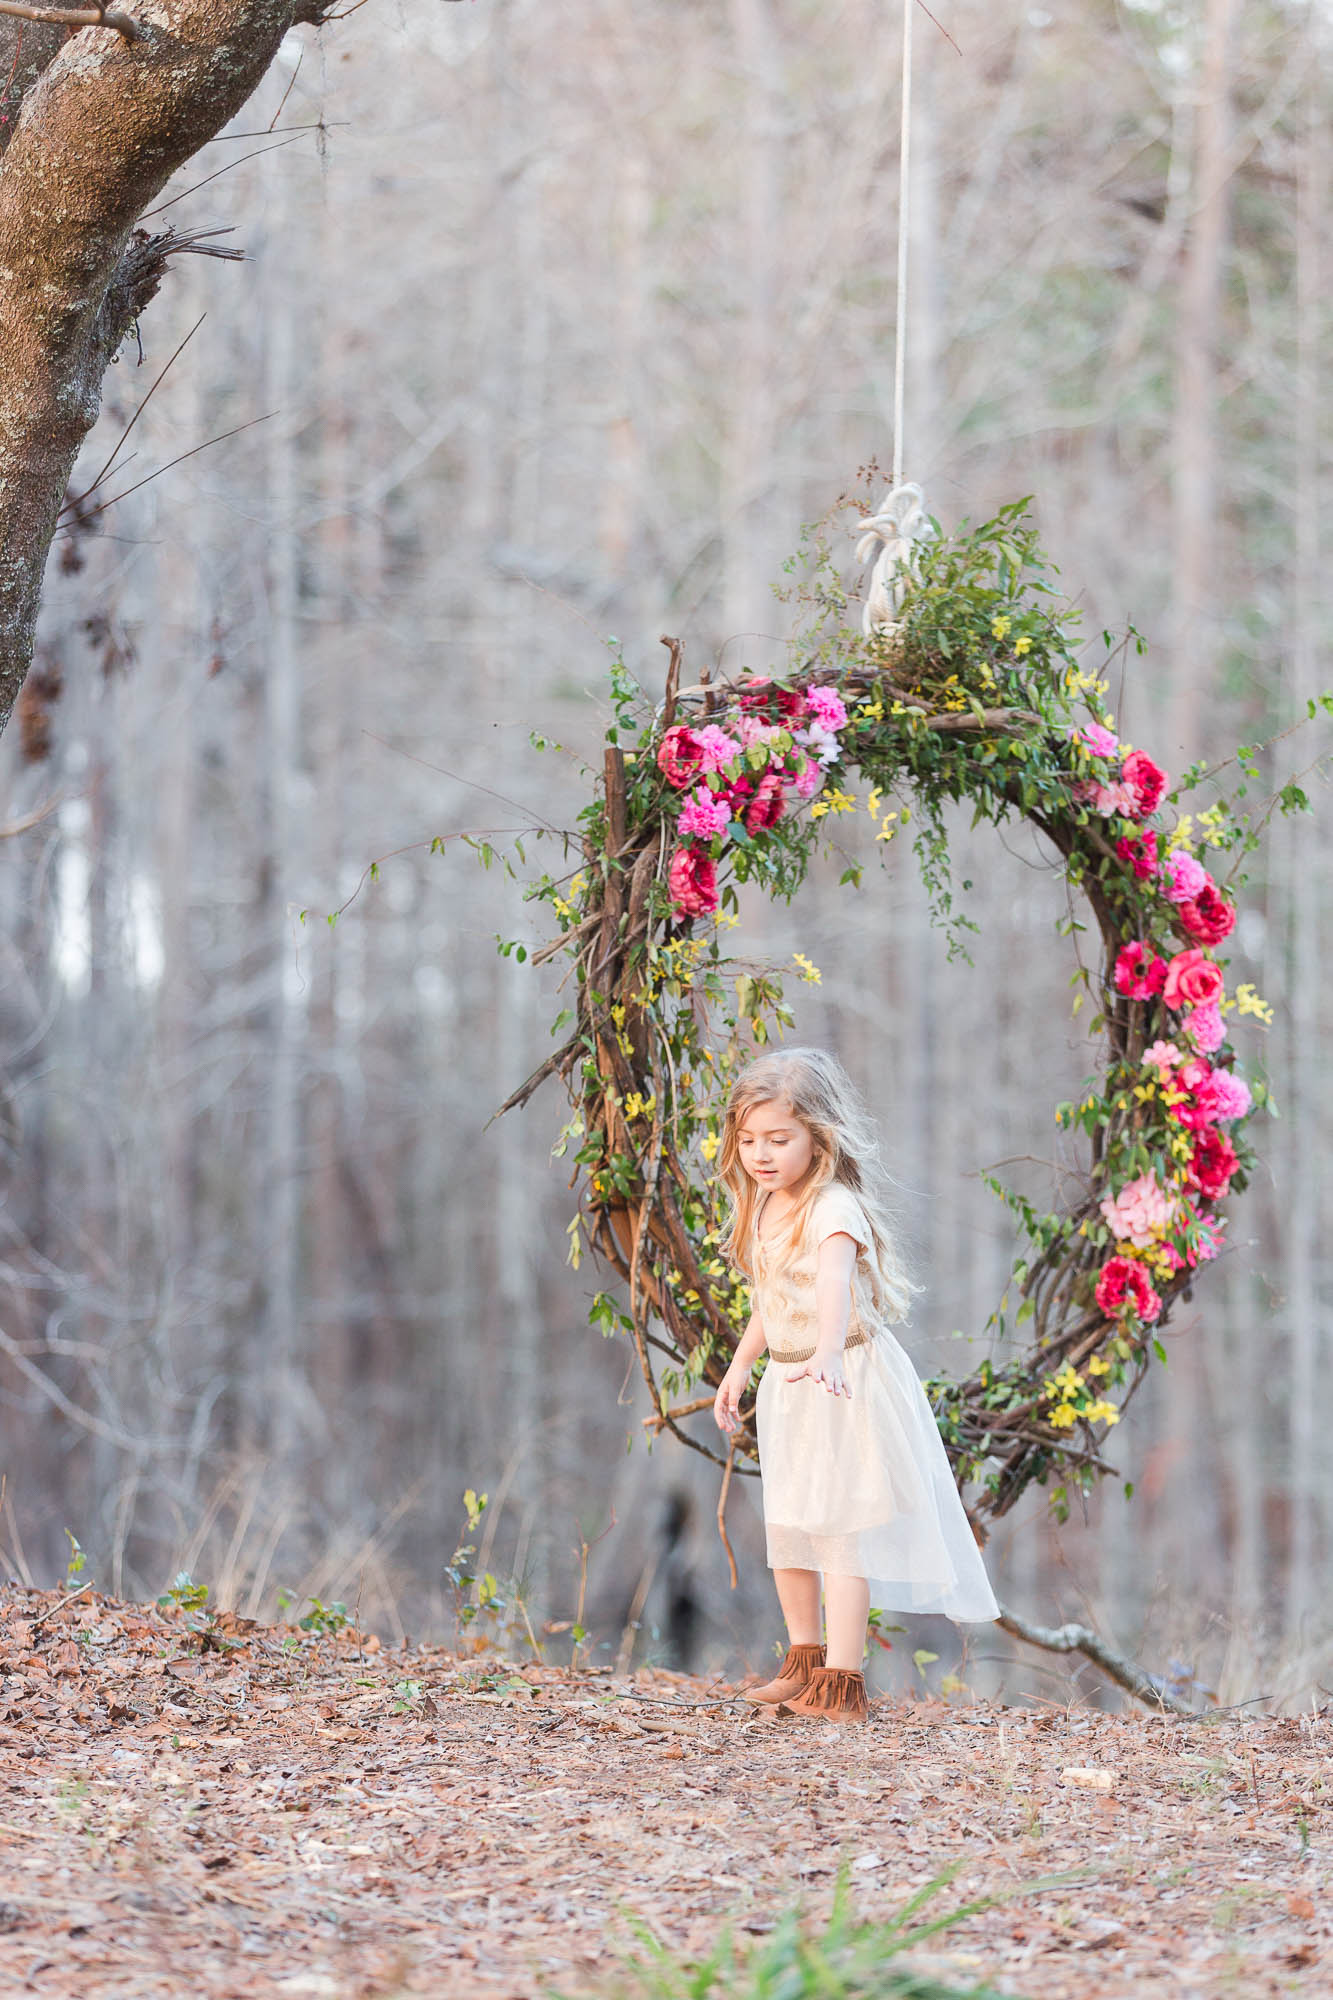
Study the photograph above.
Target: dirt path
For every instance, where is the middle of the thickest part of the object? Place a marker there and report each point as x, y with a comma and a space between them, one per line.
341, 1820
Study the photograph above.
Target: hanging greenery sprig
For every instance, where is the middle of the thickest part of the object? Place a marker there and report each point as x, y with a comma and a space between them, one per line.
977, 694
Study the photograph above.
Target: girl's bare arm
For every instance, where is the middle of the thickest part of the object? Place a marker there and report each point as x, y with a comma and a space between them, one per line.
833, 1309
726, 1403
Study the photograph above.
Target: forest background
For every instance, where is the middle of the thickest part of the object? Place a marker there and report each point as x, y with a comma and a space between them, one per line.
557, 325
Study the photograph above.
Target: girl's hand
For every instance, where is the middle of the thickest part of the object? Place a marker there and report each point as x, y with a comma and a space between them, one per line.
726, 1403
825, 1365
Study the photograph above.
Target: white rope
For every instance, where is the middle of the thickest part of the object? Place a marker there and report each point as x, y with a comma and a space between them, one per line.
900, 522
904, 194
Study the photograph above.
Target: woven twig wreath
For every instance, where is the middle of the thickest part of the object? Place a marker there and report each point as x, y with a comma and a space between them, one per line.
976, 695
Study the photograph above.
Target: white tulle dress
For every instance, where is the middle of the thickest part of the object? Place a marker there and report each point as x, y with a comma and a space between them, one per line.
859, 1486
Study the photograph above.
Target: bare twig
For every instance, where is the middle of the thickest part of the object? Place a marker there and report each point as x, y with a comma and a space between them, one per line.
722, 1513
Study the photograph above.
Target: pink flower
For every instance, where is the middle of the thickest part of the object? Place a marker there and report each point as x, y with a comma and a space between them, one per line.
1205, 1028
808, 779
1192, 980
1209, 917
1123, 1290
826, 706
1146, 780
692, 880
1182, 876
703, 816
1164, 1056
679, 757
1139, 973
1212, 1164
1097, 738
1141, 1211
716, 748
1230, 1096
1139, 853
768, 804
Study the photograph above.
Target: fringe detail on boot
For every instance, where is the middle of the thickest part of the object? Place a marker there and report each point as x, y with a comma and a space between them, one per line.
833, 1693
791, 1676
801, 1662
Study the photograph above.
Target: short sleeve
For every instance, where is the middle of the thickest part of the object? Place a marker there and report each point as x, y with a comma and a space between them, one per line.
837, 1212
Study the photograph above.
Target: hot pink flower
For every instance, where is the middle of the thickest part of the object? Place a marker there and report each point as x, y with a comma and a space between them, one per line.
1139, 973
1182, 876
827, 707
716, 748
1209, 917
1192, 980
692, 880
768, 804
1124, 1289
1146, 780
1212, 1164
1097, 738
679, 757
760, 696
1230, 1096
1139, 853
1141, 1211
703, 816
1204, 1027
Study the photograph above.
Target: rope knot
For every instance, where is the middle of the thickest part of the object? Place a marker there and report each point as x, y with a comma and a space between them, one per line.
898, 526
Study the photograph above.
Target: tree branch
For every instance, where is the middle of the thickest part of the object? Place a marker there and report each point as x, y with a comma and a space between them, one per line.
1081, 1639
77, 17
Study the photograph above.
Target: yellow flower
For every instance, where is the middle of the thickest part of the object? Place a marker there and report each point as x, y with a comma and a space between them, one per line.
874, 709
638, 1107
1023, 645
886, 827
1249, 1003
872, 802
819, 808
1096, 1365
810, 973
841, 802
1102, 1413
1000, 627
709, 1144
1182, 833
1063, 1419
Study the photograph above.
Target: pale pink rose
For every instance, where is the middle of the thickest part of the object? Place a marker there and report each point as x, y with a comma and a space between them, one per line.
1118, 799
703, 816
1163, 1056
1141, 1211
827, 707
1182, 876
808, 779
1205, 1028
752, 730
716, 748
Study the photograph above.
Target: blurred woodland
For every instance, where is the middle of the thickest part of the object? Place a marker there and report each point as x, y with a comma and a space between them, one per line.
556, 325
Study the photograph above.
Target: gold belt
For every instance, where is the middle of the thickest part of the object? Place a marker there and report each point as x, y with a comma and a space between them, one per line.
856, 1339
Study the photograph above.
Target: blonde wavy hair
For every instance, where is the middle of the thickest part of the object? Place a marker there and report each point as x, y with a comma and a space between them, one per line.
816, 1089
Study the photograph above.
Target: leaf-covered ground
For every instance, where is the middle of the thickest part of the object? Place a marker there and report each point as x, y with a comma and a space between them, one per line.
345, 1820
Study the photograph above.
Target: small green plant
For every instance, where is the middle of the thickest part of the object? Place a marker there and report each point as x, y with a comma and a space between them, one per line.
324, 1620
192, 1598
848, 1960
409, 1695
78, 1562
185, 1593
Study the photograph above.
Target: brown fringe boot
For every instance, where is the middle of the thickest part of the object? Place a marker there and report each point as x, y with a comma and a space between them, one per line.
833, 1694
791, 1677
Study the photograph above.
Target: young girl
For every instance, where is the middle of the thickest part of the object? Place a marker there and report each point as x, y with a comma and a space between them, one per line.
857, 1485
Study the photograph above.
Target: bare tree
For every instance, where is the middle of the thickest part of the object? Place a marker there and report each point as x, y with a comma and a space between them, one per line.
103, 120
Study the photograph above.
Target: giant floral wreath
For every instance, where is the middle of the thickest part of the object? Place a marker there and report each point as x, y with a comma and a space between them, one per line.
974, 693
